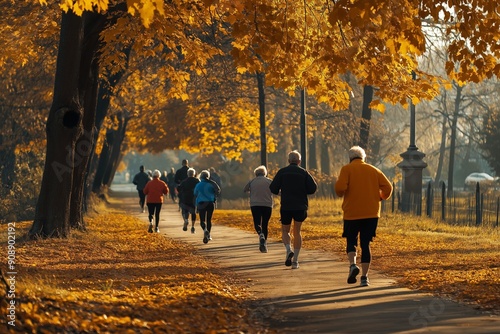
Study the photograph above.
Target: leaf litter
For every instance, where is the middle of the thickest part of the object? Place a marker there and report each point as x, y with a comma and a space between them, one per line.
115, 278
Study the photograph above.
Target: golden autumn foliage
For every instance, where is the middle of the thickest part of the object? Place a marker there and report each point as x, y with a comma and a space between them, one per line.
116, 278
456, 262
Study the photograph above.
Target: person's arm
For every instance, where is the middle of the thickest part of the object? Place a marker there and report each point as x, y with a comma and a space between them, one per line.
385, 186
247, 187
146, 189
311, 185
275, 185
342, 182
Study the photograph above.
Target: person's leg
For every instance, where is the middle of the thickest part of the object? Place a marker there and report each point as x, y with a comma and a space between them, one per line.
351, 230
210, 212
256, 215
286, 224
266, 216
185, 215
142, 199
202, 212
157, 215
192, 212
297, 241
367, 232
299, 217
151, 211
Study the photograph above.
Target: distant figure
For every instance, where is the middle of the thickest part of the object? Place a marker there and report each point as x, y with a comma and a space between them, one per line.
163, 177
181, 173
363, 187
187, 199
294, 183
214, 176
206, 193
154, 190
261, 204
172, 185
140, 180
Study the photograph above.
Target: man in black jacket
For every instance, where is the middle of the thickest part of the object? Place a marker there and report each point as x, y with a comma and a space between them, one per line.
295, 183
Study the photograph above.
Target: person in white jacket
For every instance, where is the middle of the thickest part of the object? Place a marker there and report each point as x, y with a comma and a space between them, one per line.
261, 204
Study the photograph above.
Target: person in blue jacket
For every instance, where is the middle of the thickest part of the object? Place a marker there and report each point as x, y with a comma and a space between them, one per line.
206, 193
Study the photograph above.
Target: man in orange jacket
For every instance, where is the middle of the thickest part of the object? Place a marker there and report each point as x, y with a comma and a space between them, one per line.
362, 186
154, 191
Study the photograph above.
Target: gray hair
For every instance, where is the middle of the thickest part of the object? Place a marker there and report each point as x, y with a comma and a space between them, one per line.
294, 157
191, 172
357, 152
261, 170
204, 174
156, 174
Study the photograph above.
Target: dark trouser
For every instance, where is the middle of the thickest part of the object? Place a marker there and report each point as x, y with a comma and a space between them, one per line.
154, 209
206, 210
142, 198
261, 216
188, 210
366, 228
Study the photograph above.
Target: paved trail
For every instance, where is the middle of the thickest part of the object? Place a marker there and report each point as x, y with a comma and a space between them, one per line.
316, 298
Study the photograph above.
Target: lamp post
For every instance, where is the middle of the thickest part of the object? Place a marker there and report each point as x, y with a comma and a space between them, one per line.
412, 166
303, 128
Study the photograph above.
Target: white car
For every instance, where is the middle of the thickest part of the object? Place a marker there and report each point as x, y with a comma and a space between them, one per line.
482, 178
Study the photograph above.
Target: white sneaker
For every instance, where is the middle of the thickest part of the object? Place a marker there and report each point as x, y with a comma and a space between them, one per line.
295, 265
262, 243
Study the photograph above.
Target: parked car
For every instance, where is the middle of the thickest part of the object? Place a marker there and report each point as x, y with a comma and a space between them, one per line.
482, 178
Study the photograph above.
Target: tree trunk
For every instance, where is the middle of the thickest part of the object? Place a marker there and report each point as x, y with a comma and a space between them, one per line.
64, 126
88, 86
262, 118
366, 116
116, 152
442, 151
451, 166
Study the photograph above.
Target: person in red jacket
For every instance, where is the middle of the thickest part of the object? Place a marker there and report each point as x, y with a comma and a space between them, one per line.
362, 186
154, 191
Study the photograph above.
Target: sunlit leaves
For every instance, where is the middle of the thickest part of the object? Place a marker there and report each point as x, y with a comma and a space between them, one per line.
230, 130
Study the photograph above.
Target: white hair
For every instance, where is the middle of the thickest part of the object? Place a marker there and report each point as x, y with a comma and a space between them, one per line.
204, 174
156, 173
294, 157
191, 172
357, 152
261, 170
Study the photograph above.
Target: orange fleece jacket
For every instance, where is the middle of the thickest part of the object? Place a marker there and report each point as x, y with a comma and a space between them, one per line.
363, 186
154, 191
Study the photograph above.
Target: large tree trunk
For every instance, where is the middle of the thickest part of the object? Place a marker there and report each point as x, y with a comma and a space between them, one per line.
366, 116
88, 86
64, 126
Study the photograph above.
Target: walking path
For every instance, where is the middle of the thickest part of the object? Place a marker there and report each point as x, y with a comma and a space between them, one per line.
316, 298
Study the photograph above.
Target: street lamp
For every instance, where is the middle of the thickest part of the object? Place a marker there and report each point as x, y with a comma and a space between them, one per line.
412, 166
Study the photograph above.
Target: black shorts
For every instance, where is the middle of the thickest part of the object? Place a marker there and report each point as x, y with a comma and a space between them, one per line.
288, 215
366, 228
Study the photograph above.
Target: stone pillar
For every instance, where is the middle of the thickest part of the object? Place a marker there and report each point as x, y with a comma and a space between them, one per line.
412, 165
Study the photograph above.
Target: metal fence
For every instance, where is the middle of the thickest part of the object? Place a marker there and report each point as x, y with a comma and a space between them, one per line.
479, 207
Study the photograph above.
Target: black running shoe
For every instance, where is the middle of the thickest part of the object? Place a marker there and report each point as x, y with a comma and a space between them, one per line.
288, 261
353, 272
